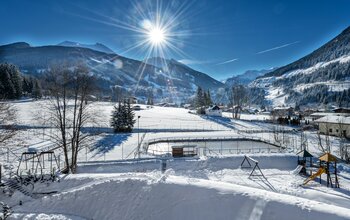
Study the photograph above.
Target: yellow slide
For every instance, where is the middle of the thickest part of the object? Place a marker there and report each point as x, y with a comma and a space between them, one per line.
313, 176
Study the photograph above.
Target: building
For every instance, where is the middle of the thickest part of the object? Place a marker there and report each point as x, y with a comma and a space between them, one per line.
213, 111
334, 125
283, 111
318, 115
342, 110
184, 151
132, 99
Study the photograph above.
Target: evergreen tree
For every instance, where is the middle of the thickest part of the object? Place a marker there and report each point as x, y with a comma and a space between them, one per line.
16, 79
117, 117
205, 99
123, 117
36, 91
200, 97
11, 81
150, 97
208, 101
25, 85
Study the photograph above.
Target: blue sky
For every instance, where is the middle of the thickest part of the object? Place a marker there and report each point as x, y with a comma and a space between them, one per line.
221, 38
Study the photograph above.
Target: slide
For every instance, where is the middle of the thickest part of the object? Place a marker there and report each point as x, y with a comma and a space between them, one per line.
297, 170
313, 176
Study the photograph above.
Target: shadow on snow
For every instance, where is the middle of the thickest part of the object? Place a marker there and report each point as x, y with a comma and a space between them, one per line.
220, 120
108, 142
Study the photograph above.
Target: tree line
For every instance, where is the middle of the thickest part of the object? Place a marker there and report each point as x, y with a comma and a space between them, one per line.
13, 84
202, 100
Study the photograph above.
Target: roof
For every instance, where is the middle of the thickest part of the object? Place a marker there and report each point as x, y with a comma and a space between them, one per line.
328, 157
283, 108
341, 108
335, 119
329, 114
214, 107
183, 146
304, 153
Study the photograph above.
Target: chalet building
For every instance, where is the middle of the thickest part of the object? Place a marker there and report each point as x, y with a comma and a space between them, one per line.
334, 125
318, 115
213, 111
342, 110
283, 111
132, 99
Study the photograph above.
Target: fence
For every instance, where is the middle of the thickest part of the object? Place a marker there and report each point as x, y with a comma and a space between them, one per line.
218, 149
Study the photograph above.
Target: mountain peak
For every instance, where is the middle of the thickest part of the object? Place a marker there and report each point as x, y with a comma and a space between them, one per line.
17, 45
97, 46
247, 77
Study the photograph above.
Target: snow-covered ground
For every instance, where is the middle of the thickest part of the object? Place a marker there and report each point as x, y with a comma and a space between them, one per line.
205, 187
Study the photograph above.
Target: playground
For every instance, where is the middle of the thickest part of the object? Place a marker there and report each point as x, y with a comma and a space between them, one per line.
325, 164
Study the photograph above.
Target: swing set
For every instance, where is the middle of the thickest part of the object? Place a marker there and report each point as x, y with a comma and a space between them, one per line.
41, 166
249, 165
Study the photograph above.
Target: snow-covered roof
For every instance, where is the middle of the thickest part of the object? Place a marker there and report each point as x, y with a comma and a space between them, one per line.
283, 108
334, 119
214, 107
329, 114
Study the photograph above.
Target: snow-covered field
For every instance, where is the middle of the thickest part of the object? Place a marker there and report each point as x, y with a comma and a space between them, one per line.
206, 187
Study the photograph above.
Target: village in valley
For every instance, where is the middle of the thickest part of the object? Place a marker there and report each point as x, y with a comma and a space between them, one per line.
88, 133
301, 155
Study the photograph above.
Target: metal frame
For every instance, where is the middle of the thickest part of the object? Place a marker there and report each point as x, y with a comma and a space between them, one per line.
256, 166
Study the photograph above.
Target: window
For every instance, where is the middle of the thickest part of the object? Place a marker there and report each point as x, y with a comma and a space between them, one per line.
330, 130
337, 130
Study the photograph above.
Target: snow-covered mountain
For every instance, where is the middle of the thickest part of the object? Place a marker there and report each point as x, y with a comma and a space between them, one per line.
323, 76
179, 70
175, 82
98, 46
247, 77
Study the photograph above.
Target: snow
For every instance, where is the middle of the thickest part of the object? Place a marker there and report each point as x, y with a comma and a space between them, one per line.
334, 86
204, 188
276, 94
310, 70
110, 184
334, 119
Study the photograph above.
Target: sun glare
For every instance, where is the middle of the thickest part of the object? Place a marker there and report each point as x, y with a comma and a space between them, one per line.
156, 36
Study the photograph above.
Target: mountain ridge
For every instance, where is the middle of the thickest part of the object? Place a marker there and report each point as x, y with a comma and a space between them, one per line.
247, 77
323, 76
134, 76
97, 46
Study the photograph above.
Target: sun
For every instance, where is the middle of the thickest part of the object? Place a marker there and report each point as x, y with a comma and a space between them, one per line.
156, 36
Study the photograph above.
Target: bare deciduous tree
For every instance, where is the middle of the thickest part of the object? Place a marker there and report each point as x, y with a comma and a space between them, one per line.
303, 141
342, 135
324, 143
7, 122
237, 97
68, 109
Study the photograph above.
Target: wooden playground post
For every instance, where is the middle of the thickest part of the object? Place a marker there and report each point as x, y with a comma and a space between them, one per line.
321, 173
327, 171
